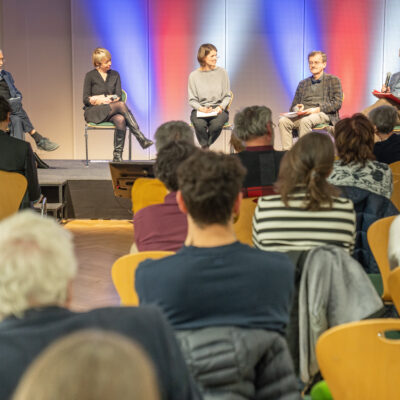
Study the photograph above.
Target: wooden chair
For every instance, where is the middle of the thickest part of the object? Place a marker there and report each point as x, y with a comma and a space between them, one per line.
395, 167
359, 362
378, 239
146, 192
123, 274
12, 189
394, 287
105, 126
243, 225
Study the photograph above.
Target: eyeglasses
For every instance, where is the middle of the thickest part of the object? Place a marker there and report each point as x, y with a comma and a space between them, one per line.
314, 62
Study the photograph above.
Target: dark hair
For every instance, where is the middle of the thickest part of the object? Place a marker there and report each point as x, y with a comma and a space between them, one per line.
354, 138
252, 122
210, 183
171, 132
384, 118
168, 160
315, 53
204, 50
305, 168
5, 108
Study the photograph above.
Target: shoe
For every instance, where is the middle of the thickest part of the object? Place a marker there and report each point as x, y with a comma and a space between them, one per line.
119, 142
134, 128
40, 163
47, 145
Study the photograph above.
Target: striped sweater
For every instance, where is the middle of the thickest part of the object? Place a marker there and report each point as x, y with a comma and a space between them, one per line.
278, 228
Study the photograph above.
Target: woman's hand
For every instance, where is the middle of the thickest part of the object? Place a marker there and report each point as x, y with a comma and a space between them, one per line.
385, 89
99, 99
218, 109
205, 109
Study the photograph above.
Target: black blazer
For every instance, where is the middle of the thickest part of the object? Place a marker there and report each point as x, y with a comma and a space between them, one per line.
22, 339
16, 156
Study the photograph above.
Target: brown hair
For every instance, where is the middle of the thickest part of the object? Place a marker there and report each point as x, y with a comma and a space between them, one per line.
305, 168
90, 364
354, 138
204, 50
209, 184
315, 53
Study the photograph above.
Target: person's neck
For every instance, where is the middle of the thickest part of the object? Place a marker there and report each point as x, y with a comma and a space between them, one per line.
259, 141
384, 136
214, 235
319, 76
207, 68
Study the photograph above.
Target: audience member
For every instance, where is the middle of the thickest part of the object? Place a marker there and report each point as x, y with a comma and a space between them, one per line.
90, 365
216, 281
17, 156
172, 131
37, 265
254, 127
307, 212
387, 149
354, 138
394, 243
20, 122
164, 226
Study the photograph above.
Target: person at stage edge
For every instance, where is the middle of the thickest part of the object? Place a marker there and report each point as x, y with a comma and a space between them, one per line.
37, 267
102, 95
17, 156
319, 96
20, 122
209, 92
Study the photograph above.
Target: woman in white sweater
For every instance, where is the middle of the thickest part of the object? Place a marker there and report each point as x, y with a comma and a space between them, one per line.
209, 93
307, 212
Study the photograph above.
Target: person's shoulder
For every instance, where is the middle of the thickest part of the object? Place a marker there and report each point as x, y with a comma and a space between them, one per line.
14, 142
113, 72
331, 77
194, 73
160, 263
380, 165
396, 75
271, 259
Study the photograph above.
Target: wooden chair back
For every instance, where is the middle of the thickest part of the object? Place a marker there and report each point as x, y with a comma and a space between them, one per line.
146, 192
358, 361
395, 167
12, 189
123, 274
243, 225
378, 239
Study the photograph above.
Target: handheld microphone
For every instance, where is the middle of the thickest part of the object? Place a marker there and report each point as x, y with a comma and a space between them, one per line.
387, 80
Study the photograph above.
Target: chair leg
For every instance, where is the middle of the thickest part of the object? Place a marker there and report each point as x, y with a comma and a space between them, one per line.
130, 144
86, 146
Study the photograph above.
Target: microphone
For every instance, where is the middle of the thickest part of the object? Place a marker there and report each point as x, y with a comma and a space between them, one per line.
387, 80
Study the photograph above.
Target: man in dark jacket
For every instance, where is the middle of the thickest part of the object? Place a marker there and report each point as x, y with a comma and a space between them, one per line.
20, 122
17, 156
37, 264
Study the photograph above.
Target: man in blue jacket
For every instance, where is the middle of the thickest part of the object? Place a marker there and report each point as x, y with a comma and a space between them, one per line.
20, 122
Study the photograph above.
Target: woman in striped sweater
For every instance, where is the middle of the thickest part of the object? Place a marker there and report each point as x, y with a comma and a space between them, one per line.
307, 212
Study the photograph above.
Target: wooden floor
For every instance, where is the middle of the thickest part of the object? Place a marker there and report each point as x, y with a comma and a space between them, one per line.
98, 243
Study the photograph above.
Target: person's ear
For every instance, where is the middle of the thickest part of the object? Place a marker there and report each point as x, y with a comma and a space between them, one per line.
236, 205
181, 202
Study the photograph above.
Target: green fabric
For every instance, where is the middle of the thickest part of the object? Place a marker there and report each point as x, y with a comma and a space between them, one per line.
397, 128
101, 124
321, 126
376, 280
320, 391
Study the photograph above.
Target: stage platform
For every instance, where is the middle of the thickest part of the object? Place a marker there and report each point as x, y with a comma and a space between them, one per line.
78, 191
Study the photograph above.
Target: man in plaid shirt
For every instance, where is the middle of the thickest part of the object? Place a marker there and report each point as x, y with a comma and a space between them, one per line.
318, 100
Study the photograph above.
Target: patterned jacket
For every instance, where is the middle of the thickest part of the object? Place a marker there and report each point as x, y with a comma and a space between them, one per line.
333, 95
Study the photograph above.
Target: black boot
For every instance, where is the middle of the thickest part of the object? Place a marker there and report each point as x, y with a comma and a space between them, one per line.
40, 163
134, 128
119, 142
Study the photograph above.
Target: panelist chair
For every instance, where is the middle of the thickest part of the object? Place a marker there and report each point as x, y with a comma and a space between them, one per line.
105, 126
123, 274
12, 190
395, 167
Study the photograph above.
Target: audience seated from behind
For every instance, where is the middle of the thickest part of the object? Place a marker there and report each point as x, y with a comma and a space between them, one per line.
307, 212
354, 139
172, 131
254, 127
387, 148
394, 243
216, 281
17, 156
164, 226
75, 367
37, 265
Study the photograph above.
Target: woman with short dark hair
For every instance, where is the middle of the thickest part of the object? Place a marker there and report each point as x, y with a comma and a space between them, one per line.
354, 139
307, 212
209, 93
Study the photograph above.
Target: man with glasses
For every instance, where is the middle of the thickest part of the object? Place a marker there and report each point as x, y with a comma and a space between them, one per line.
318, 99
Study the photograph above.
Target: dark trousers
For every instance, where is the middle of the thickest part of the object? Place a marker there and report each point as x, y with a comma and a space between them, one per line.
20, 122
208, 129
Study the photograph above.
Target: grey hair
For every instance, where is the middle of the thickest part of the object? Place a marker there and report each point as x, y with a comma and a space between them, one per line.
252, 122
171, 132
384, 118
37, 262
